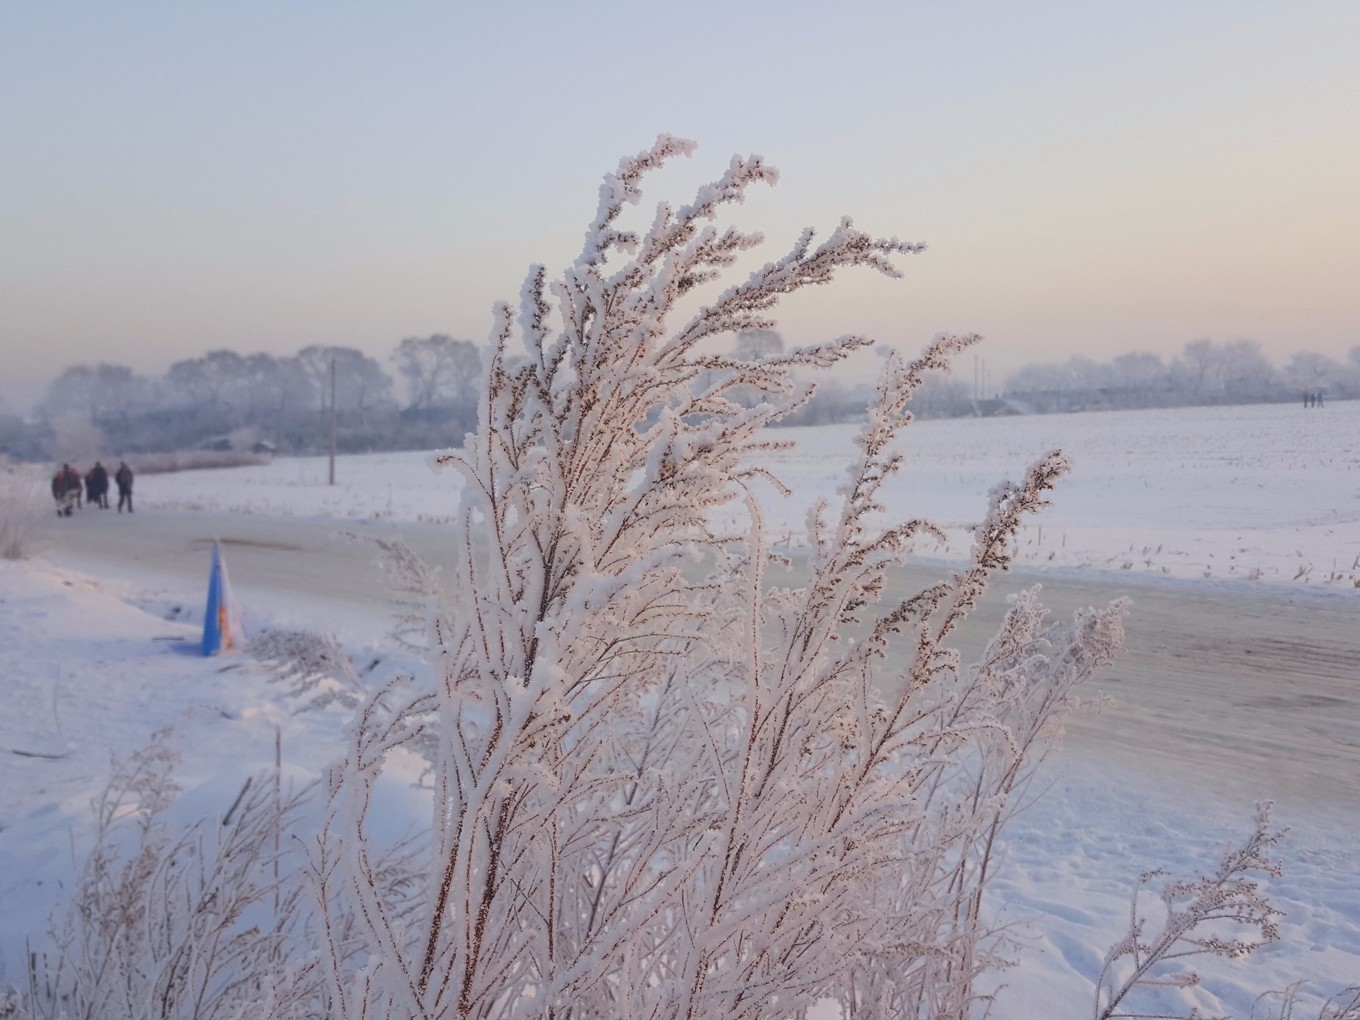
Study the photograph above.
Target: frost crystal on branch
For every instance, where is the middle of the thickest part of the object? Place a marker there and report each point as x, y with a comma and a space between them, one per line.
663, 786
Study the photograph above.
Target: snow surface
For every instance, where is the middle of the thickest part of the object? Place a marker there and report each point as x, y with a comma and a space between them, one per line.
1260, 496
1263, 492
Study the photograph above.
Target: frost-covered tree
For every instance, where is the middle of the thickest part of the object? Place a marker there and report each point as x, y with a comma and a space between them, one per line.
759, 344
361, 385
1308, 370
1139, 372
215, 381
1248, 374
438, 370
100, 391
76, 439
670, 778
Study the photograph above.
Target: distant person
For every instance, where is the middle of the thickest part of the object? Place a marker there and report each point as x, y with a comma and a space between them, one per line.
1307, 399
123, 476
97, 486
64, 492
1318, 399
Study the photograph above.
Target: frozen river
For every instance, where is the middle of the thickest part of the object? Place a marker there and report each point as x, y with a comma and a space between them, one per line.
1245, 690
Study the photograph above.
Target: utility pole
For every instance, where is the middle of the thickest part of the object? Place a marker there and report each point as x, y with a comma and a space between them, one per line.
332, 419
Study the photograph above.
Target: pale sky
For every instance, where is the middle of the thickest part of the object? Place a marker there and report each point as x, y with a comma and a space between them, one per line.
1092, 178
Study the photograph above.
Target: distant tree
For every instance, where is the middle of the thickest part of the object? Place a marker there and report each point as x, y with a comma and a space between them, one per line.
216, 384
438, 370
76, 440
1205, 365
19, 440
99, 391
1039, 377
362, 386
1077, 382
1138, 372
73, 390
271, 383
831, 402
121, 392
759, 345
1350, 381
1247, 373
1307, 370
942, 396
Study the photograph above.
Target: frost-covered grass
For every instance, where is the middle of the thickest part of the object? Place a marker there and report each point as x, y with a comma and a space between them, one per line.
23, 501
193, 460
1264, 493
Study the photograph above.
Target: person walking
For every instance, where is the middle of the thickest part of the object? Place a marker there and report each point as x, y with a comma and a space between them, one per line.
97, 485
65, 490
123, 476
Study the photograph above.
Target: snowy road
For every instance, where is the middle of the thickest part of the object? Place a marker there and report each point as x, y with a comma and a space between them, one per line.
1241, 691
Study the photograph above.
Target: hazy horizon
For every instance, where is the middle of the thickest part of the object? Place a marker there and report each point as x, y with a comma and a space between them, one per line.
1091, 181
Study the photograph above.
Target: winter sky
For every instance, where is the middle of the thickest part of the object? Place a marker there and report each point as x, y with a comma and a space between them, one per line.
1091, 178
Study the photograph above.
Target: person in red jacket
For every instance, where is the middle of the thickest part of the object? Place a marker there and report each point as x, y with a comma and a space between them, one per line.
66, 490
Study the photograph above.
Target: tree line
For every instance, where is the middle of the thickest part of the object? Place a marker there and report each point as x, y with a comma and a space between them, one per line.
1232, 372
227, 400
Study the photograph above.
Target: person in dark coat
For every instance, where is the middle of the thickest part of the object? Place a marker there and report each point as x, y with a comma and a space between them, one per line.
123, 476
97, 486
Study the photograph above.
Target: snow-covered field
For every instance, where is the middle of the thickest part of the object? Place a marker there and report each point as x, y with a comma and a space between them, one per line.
1269, 493
1257, 498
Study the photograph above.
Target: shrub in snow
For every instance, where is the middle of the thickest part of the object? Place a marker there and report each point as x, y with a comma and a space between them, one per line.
667, 780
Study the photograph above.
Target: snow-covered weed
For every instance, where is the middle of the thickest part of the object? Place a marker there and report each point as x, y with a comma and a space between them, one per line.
1222, 913
313, 666
669, 780
1287, 1005
169, 921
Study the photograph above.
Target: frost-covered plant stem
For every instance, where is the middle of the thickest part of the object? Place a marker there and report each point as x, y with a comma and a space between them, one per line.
664, 786
1207, 916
